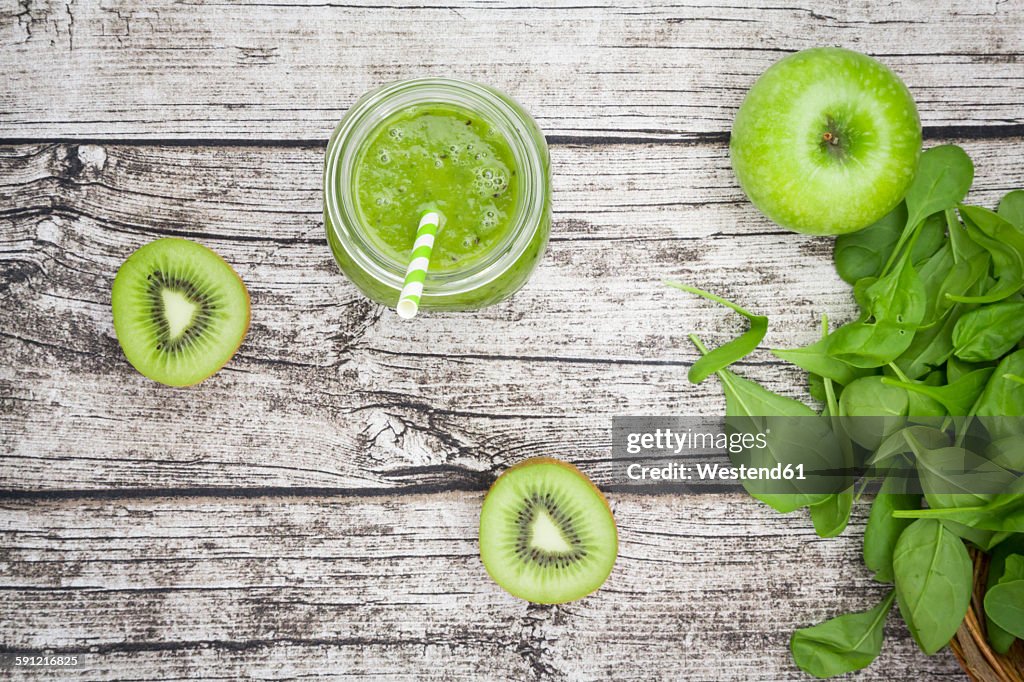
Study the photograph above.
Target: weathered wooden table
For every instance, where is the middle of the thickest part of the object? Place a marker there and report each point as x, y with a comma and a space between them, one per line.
312, 509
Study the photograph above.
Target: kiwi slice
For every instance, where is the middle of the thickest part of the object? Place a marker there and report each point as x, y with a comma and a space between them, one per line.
180, 311
546, 532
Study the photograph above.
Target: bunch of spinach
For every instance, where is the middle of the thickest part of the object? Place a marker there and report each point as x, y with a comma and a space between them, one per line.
940, 335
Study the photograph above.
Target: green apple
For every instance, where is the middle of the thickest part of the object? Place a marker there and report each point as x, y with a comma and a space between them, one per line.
827, 141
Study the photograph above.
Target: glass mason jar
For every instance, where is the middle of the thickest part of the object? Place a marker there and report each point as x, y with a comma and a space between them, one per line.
486, 280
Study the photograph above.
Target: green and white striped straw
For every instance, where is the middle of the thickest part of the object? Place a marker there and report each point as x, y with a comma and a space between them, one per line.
416, 273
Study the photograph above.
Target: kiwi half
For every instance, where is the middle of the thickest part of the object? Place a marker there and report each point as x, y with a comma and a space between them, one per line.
180, 311
547, 534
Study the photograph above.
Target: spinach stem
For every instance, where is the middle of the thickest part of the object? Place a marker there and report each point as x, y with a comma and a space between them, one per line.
700, 346
953, 227
710, 296
908, 234
899, 373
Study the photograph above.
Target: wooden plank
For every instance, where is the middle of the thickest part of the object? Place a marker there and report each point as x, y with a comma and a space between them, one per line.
705, 588
329, 391
288, 69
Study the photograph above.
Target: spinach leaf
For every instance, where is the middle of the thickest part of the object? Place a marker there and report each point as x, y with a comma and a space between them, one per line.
884, 529
863, 253
816, 359
989, 332
789, 441
1004, 513
934, 577
831, 515
843, 644
1014, 568
816, 386
1006, 247
941, 274
1007, 452
860, 295
1001, 639
1003, 396
1011, 208
899, 443
869, 345
951, 476
918, 404
943, 179
730, 352
895, 305
931, 238
958, 398
997, 540
745, 398
898, 297
872, 410
968, 273
963, 247
956, 368
984, 540
930, 347
1004, 602
934, 273
994, 226
807, 442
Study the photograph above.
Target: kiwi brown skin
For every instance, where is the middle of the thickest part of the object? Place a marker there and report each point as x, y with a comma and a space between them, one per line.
565, 465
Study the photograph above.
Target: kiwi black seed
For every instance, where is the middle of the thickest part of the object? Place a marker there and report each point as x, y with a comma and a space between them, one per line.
180, 311
547, 534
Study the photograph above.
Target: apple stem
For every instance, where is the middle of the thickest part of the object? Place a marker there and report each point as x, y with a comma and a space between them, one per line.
830, 138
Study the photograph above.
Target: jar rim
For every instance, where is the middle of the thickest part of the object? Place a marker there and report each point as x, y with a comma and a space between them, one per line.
364, 117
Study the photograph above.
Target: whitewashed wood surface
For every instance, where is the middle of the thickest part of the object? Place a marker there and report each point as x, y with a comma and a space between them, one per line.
311, 510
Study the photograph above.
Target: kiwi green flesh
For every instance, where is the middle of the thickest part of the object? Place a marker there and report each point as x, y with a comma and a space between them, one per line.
180, 311
546, 533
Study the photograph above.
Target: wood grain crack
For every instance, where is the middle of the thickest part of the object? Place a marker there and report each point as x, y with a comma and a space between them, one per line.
536, 638
1008, 129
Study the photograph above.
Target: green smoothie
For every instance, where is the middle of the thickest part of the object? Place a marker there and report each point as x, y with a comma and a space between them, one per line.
459, 148
436, 156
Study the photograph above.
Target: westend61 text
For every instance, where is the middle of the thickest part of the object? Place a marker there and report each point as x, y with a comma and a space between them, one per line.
716, 472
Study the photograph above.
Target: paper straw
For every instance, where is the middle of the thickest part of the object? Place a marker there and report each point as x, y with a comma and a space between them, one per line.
416, 273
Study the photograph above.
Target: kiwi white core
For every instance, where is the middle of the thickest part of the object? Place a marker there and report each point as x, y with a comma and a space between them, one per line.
546, 535
178, 311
